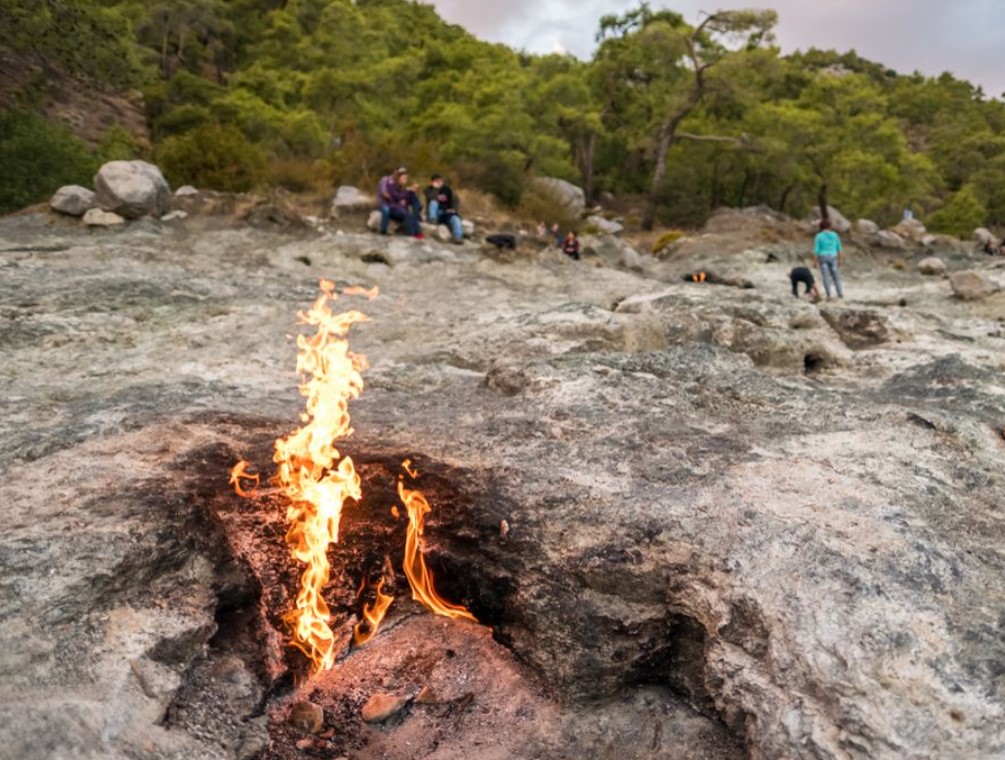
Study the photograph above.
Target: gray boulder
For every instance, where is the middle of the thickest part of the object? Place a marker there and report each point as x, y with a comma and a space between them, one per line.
97, 217
132, 189
969, 285
911, 229
983, 236
932, 265
889, 239
839, 222
73, 200
604, 225
566, 195
866, 227
348, 198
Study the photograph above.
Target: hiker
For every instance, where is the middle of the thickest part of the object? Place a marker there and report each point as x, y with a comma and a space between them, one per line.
805, 276
571, 246
557, 234
398, 201
441, 207
827, 248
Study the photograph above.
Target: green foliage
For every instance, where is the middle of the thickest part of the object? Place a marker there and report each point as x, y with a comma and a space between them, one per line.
962, 214
212, 156
38, 157
666, 239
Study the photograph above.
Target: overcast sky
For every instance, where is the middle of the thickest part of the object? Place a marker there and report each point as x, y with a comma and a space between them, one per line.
965, 37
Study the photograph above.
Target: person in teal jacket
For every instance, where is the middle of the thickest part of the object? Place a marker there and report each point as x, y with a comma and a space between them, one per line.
827, 247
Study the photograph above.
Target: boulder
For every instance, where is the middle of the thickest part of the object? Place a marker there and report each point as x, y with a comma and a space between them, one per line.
132, 189
176, 214
889, 239
983, 236
604, 225
911, 229
348, 198
839, 223
96, 217
570, 198
73, 200
373, 221
185, 191
969, 285
469, 228
866, 227
932, 265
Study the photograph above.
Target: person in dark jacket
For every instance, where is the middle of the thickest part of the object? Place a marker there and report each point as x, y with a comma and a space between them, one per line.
441, 207
397, 201
570, 247
805, 276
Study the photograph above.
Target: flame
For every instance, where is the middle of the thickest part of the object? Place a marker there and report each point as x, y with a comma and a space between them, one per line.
700, 277
419, 576
311, 472
239, 473
372, 615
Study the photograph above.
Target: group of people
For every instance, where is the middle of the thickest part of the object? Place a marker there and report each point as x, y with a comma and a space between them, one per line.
829, 255
399, 201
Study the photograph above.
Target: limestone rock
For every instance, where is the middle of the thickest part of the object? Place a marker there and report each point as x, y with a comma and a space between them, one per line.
177, 214
970, 285
348, 198
72, 200
911, 229
606, 226
983, 236
866, 227
570, 199
932, 265
839, 223
380, 707
889, 239
469, 228
185, 191
95, 217
132, 189
373, 221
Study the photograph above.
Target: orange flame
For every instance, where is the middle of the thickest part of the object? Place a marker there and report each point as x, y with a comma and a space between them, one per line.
312, 473
238, 473
372, 616
700, 277
419, 576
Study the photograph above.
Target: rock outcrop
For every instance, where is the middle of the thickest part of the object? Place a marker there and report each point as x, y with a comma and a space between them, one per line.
132, 189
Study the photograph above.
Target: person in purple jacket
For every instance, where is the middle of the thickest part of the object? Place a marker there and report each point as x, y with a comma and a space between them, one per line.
397, 201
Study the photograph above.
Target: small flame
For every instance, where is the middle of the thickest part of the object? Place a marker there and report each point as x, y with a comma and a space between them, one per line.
372, 616
419, 576
700, 277
238, 473
311, 472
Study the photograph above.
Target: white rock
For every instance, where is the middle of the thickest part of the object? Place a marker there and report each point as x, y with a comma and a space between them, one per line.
73, 200
177, 214
185, 190
96, 217
888, 239
443, 232
469, 227
838, 221
132, 189
605, 225
866, 227
373, 222
568, 196
349, 198
932, 265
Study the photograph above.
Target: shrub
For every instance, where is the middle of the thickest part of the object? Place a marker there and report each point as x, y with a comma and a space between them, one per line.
38, 157
961, 214
212, 156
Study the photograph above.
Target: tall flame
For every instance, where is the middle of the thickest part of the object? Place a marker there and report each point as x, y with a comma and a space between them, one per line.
311, 472
419, 576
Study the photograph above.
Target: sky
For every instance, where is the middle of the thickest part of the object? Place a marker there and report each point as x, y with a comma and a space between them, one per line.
963, 37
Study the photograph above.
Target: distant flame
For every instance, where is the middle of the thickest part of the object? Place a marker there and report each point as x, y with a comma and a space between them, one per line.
311, 472
419, 576
700, 277
238, 473
372, 616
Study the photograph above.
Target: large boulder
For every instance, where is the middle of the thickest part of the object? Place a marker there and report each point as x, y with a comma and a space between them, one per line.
604, 225
866, 227
348, 198
969, 285
839, 223
132, 189
932, 265
890, 239
73, 200
983, 236
911, 229
570, 198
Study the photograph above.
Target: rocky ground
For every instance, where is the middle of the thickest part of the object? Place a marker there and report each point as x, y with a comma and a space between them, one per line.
739, 525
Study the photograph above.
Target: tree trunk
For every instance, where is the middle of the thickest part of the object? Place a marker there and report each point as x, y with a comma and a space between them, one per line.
660, 172
783, 201
586, 148
822, 201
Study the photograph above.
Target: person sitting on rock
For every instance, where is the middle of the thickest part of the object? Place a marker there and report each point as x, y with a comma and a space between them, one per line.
570, 247
398, 201
805, 276
827, 248
441, 207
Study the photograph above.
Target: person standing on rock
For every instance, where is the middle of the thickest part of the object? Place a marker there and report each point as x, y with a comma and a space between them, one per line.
805, 276
397, 202
441, 207
827, 248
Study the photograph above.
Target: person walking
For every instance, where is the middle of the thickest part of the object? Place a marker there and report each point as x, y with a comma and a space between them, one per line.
827, 248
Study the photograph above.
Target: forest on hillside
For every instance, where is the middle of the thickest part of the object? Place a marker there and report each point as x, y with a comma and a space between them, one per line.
684, 116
